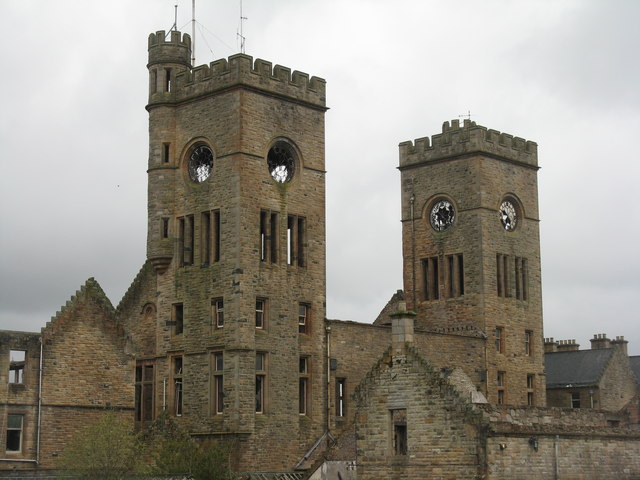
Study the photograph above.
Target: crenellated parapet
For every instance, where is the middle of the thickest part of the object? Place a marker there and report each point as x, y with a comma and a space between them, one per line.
456, 140
242, 71
175, 49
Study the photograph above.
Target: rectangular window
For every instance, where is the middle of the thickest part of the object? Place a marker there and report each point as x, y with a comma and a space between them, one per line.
521, 278
17, 362
502, 275
216, 236
303, 318
218, 383
14, 433
304, 386
400, 438
454, 277
261, 310
431, 279
177, 320
167, 79
166, 150
217, 313
341, 397
528, 336
261, 381
501, 382
500, 340
205, 238
530, 388
177, 386
296, 240
144, 391
268, 236
575, 400
164, 227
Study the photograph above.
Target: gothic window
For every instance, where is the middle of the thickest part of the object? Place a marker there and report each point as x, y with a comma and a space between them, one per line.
144, 391
177, 386
17, 362
303, 396
296, 240
14, 433
261, 381
281, 162
218, 383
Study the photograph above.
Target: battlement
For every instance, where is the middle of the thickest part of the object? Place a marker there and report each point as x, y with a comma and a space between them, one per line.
176, 49
237, 70
456, 140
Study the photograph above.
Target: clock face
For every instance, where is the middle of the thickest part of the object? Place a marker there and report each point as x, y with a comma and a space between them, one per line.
200, 163
442, 215
281, 162
508, 216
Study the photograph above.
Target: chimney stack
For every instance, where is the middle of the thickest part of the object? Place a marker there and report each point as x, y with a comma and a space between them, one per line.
600, 341
401, 329
622, 343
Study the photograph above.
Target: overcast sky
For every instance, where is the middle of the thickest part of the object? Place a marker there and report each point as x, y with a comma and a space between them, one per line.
565, 74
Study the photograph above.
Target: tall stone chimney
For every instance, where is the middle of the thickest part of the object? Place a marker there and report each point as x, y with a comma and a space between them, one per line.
568, 346
401, 329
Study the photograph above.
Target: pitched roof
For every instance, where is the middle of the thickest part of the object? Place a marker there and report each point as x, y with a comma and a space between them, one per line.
580, 368
635, 366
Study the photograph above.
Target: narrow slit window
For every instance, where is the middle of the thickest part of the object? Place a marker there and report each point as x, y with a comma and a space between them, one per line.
261, 307
181, 240
304, 386
153, 80
431, 280
341, 397
263, 236
530, 388
189, 240
167, 79
499, 339
218, 383
460, 274
216, 235
296, 241
177, 386
528, 336
164, 227
205, 240
261, 376
17, 362
450, 277
501, 381
274, 238
166, 151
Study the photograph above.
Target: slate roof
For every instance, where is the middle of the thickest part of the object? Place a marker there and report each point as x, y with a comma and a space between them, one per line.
635, 366
580, 368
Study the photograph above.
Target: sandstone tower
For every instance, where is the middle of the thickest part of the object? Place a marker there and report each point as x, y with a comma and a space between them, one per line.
471, 249
236, 237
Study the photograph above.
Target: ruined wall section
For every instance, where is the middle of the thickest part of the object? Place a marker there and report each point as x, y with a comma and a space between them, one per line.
441, 429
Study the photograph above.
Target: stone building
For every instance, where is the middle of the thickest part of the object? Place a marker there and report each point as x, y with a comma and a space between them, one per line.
224, 327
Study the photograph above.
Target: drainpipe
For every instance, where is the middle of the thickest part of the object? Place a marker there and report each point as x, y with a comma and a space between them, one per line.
413, 247
328, 331
555, 458
39, 425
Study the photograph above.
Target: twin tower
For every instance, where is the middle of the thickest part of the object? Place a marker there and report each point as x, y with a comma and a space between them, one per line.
230, 334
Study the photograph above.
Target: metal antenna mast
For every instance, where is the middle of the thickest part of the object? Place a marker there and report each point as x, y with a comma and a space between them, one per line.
193, 32
240, 35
